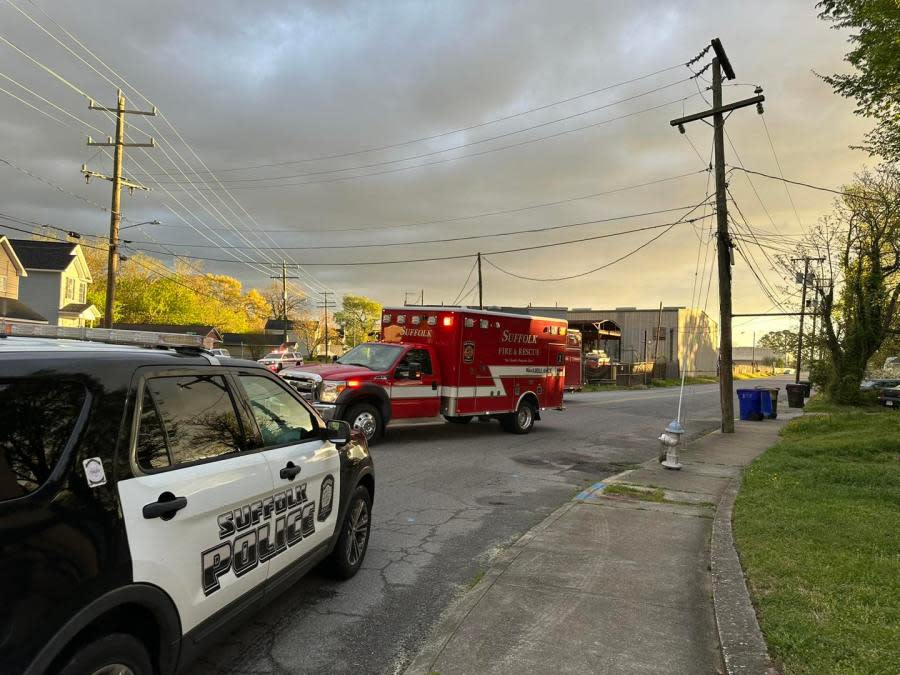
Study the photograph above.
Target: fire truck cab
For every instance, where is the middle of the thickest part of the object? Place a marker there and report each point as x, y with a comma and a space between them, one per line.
433, 361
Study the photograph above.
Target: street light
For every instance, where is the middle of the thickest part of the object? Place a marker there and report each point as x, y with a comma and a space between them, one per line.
147, 222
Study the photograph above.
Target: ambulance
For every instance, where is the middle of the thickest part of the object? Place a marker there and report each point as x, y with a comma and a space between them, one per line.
443, 361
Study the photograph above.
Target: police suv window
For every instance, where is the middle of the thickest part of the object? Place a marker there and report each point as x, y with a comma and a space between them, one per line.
186, 419
37, 418
280, 417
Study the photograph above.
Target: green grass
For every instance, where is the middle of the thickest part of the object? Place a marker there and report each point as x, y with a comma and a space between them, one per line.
817, 523
869, 403
655, 495
476, 579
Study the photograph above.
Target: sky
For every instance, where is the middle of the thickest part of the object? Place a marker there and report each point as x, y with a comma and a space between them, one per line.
426, 105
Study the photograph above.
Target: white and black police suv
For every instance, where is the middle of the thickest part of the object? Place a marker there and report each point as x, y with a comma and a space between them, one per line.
150, 498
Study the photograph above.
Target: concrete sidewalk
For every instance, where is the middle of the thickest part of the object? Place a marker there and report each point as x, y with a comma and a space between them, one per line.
610, 583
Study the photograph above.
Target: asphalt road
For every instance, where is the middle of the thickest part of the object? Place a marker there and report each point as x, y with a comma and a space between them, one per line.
447, 498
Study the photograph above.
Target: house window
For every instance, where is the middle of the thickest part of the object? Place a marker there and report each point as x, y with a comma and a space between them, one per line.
82, 293
70, 289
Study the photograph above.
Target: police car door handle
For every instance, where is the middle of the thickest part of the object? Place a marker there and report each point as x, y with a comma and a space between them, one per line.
290, 471
165, 508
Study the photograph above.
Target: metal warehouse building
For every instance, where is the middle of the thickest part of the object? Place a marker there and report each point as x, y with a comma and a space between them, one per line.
687, 339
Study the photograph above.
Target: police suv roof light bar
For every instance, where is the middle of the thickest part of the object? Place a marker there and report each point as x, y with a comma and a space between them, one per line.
107, 335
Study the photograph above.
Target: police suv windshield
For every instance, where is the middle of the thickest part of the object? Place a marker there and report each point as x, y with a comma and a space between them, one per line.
371, 356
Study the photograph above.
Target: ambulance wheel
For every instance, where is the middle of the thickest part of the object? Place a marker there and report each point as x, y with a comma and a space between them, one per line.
521, 421
347, 556
457, 420
367, 419
118, 653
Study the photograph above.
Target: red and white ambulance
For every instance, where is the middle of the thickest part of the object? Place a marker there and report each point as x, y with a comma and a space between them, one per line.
432, 361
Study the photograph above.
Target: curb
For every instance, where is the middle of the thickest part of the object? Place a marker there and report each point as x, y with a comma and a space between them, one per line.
744, 648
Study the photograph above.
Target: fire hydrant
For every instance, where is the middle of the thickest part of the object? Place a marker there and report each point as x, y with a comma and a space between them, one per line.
668, 445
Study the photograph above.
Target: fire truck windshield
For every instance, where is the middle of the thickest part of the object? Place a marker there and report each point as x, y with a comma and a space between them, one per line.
371, 356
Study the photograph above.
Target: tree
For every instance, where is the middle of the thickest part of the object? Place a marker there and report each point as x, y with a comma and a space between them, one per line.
359, 317
782, 342
858, 303
278, 305
876, 59
310, 333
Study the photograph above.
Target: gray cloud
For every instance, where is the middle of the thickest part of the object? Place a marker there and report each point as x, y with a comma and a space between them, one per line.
254, 83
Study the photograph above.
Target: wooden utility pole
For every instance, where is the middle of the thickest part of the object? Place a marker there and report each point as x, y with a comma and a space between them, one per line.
480, 289
325, 304
115, 211
724, 247
806, 260
658, 329
284, 318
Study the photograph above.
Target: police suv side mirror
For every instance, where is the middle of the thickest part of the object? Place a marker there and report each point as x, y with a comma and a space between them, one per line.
338, 432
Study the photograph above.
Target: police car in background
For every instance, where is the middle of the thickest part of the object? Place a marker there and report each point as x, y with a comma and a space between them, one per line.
150, 498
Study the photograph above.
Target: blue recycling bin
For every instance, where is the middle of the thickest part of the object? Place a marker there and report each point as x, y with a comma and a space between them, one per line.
765, 403
750, 403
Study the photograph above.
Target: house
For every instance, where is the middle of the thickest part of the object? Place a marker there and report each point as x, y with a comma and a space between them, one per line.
211, 336
56, 282
12, 310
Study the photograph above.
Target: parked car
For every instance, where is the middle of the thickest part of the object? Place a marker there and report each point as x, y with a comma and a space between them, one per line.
279, 360
150, 498
890, 397
878, 384
221, 353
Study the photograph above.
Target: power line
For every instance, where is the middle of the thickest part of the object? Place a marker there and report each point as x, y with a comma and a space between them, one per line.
469, 255
455, 147
802, 184
451, 132
466, 156
548, 228
668, 227
780, 171
465, 283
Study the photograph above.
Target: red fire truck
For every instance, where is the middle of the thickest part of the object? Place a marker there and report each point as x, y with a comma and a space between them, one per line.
432, 361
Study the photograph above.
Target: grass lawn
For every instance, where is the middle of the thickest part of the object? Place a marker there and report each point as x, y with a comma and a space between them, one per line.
817, 524
869, 404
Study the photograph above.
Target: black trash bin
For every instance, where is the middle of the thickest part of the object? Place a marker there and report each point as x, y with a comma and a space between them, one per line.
795, 394
807, 388
773, 393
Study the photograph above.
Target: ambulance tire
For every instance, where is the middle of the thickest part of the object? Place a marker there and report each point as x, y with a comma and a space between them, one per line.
347, 556
458, 420
521, 421
367, 419
115, 653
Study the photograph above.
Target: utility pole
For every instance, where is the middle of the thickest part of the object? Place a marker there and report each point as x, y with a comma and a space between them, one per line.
480, 288
325, 304
723, 240
658, 329
284, 319
806, 260
115, 210
753, 355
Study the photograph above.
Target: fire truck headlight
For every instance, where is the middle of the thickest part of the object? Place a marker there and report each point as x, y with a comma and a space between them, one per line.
331, 391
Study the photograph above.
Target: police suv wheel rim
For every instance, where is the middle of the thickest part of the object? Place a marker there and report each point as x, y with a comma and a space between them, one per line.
358, 531
114, 669
366, 423
525, 417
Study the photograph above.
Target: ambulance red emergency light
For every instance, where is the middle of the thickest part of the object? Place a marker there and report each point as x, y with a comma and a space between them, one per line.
431, 361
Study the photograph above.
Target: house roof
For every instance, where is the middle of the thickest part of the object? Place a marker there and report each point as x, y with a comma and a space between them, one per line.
18, 311
45, 255
279, 324
181, 329
6, 244
82, 309
251, 339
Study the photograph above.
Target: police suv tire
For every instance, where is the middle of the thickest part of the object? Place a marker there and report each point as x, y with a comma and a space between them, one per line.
521, 421
346, 559
369, 420
117, 649
464, 419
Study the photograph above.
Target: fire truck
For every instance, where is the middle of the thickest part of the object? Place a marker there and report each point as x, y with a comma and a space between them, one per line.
440, 361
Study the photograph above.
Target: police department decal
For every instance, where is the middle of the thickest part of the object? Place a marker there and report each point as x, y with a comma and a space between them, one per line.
263, 529
93, 471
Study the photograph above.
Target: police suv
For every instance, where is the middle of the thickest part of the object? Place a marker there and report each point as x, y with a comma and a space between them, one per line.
150, 498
